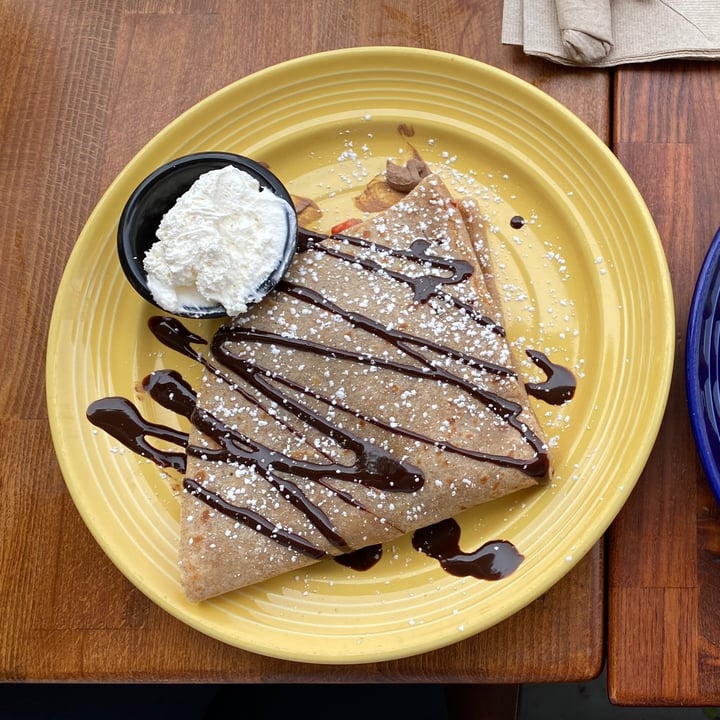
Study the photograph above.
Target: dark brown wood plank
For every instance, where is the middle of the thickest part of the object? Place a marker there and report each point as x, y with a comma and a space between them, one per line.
664, 594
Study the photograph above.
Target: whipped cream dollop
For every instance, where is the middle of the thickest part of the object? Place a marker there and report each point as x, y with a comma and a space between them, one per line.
218, 244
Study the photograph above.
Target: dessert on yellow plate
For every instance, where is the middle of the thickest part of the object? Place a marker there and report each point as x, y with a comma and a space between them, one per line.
571, 285
372, 394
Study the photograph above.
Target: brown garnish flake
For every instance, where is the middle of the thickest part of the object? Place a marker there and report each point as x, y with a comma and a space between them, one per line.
306, 209
404, 178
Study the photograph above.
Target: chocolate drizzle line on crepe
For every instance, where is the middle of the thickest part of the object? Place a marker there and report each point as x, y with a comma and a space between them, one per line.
424, 286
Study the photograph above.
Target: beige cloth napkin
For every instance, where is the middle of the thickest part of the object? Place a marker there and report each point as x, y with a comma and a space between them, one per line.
601, 33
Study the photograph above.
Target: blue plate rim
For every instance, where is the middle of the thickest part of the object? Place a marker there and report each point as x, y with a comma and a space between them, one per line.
706, 286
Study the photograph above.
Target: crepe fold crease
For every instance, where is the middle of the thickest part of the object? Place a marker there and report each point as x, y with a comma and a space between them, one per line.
372, 394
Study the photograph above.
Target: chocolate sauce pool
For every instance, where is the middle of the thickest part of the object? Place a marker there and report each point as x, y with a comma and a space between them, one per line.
373, 466
492, 561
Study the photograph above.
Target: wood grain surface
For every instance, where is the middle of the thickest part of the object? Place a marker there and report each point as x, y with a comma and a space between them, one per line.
664, 559
85, 84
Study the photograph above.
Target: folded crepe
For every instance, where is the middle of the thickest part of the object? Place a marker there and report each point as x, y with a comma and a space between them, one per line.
371, 395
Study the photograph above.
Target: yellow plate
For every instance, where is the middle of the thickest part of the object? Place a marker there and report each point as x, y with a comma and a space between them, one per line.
585, 280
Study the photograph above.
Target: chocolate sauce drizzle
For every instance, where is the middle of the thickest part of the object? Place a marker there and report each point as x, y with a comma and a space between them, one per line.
559, 387
492, 561
372, 466
423, 286
121, 419
412, 346
362, 559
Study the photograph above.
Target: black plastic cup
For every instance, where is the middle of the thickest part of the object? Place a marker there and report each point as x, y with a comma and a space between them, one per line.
158, 192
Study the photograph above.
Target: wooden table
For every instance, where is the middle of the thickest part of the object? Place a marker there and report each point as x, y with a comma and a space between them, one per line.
86, 83
664, 559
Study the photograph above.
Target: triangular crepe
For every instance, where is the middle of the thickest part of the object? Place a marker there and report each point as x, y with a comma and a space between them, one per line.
372, 394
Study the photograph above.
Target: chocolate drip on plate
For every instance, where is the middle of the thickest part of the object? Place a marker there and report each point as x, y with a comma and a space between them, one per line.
492, 561
121, 419
560, 384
